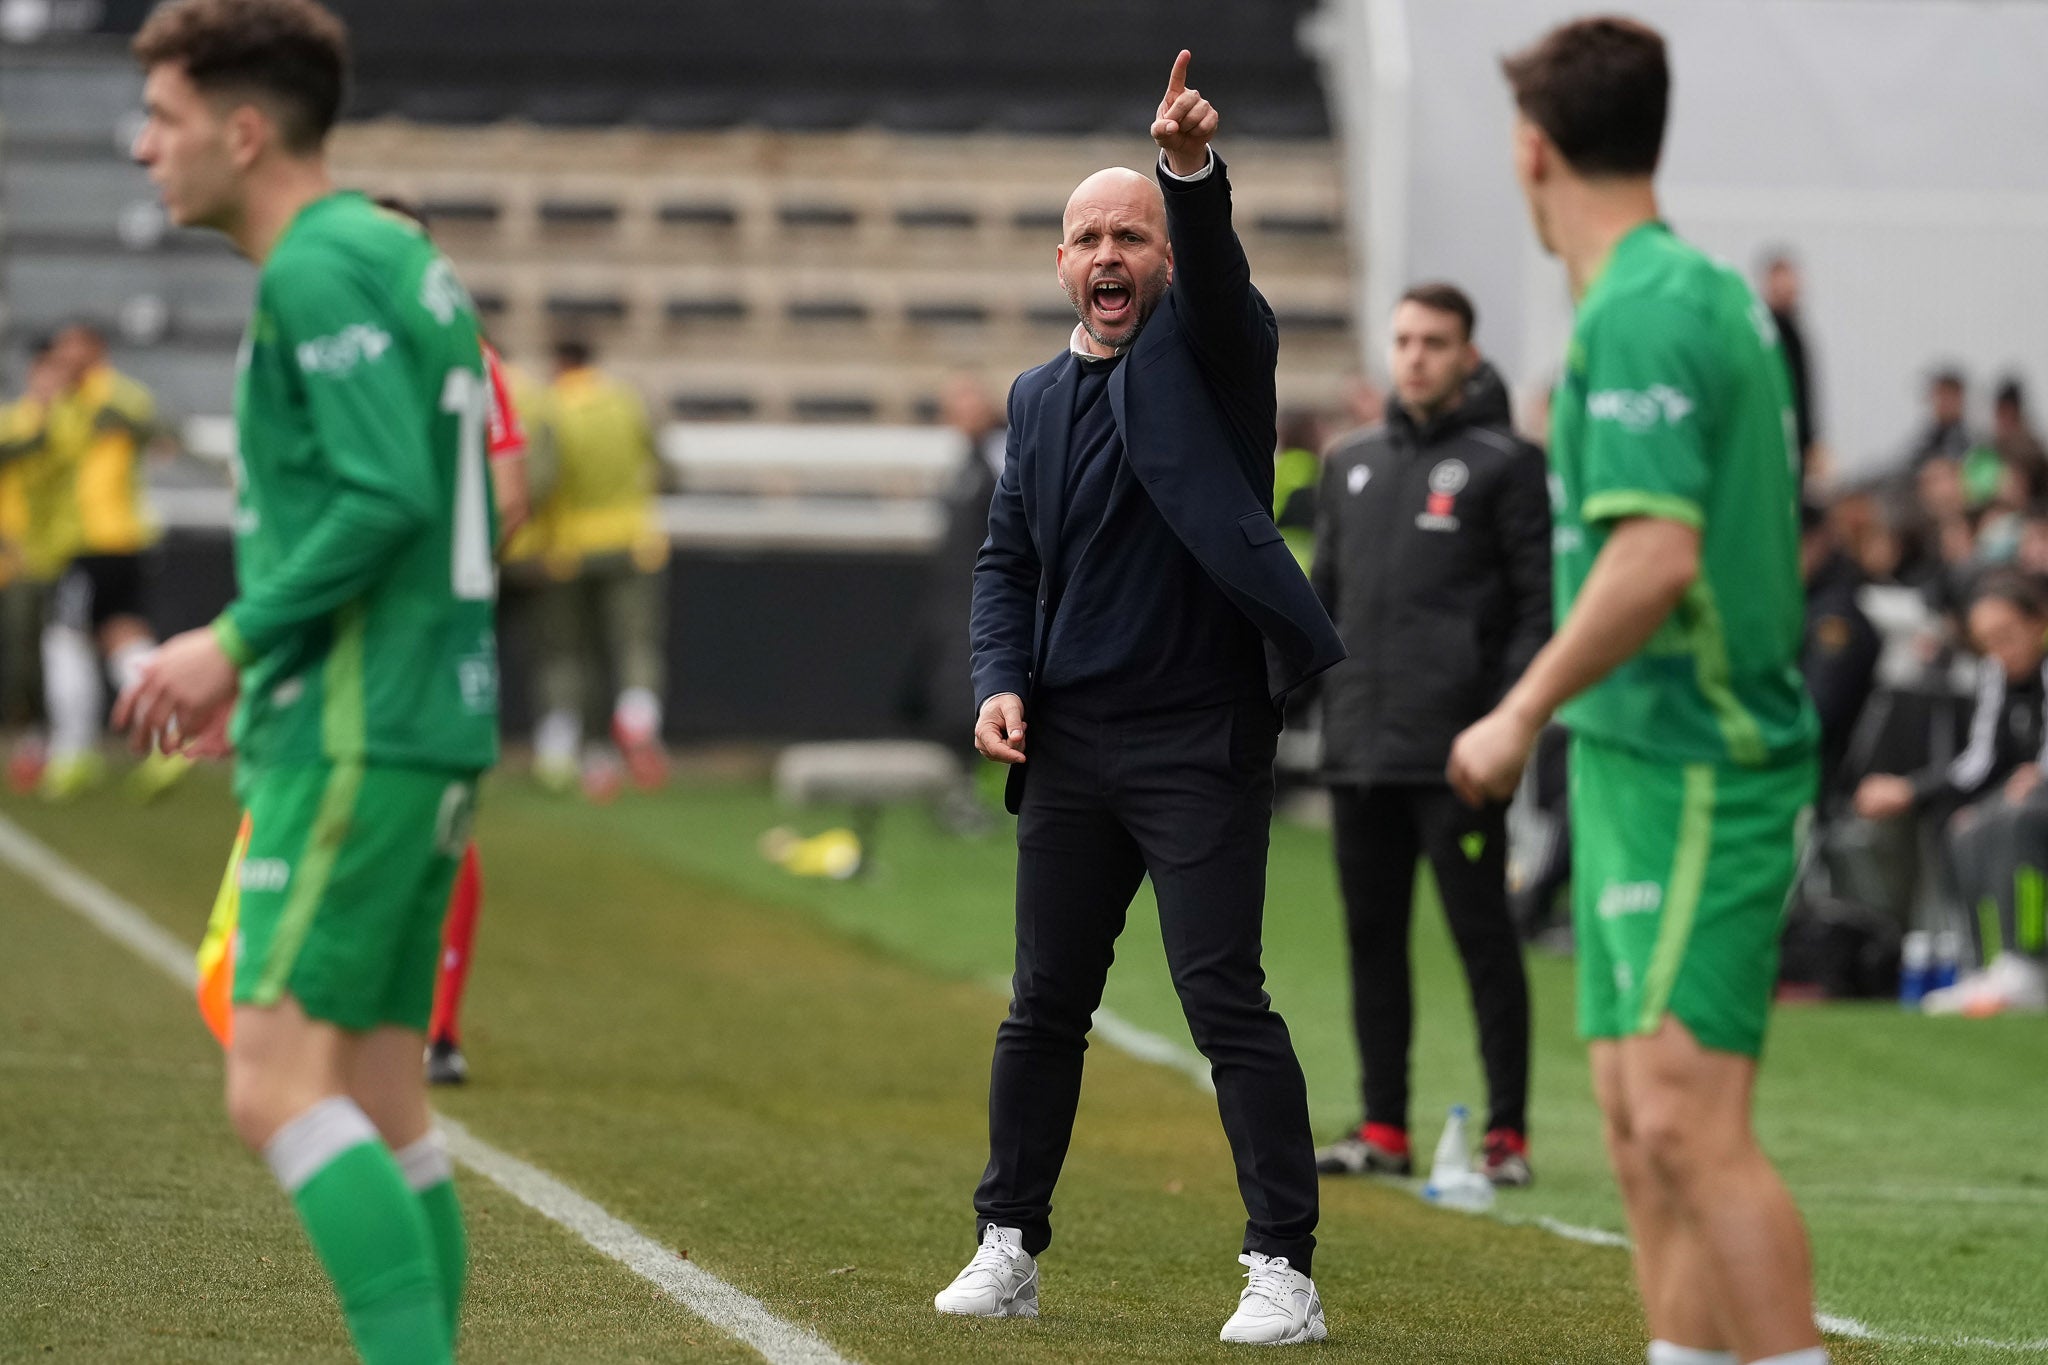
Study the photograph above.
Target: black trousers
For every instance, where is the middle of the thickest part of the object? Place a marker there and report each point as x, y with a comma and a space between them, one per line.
1186, 796
1380, 832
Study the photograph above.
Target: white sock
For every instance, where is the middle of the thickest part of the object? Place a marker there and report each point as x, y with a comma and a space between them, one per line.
557, 738
126, 663
1812, 1355
302, 1148
1670, 1353
638, 712
425, 1162
73, 692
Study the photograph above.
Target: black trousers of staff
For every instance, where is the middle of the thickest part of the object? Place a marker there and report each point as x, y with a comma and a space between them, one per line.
1186, 797
1380, 832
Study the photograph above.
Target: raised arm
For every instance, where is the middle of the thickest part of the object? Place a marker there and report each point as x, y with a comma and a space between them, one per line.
1227, 322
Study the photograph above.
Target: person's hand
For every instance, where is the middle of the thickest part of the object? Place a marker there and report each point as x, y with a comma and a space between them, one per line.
212, 743
1185, 122
1882, 796
999, 733
2021, 784
185, 692
1488, 758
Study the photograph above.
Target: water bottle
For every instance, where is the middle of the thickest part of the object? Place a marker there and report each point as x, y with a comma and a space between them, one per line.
1452, 1181
1948, 959
1916, 967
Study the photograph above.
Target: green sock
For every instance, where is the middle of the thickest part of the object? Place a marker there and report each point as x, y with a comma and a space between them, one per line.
367, 1229
432, 1177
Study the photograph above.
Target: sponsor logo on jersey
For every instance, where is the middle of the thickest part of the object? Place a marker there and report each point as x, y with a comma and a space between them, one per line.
337, 356
442, 294
1446, 481
1357, 478
1630, 898
265, 874
1639, 409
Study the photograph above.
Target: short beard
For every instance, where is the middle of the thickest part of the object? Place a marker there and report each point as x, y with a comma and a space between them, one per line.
1147, 300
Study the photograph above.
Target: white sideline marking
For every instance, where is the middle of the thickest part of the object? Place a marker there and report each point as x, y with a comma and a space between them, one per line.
1142, 1043
690, 1285
1125, 1036
1148, 1046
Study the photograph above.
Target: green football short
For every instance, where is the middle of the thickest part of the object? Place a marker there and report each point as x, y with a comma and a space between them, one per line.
1680, 876
345, 886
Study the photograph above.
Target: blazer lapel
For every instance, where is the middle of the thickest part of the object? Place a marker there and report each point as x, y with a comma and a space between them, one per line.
1055, 429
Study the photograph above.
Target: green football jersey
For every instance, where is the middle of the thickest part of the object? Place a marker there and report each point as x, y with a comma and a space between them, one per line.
363, 526
1675, 403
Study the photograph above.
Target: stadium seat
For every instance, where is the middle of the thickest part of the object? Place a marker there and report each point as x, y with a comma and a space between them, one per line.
438, 211
827, 310
712, 407
1304, 224
596, 107
833, 408
689, 111
697, 213
817, 216
723, 308
947, 314
573, 213
586, 307
938, 216
452, 104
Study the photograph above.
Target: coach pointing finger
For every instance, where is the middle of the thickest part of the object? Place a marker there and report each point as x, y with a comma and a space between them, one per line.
1135, 600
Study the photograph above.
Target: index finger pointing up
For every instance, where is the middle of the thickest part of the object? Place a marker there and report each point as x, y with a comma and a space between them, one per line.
1178, 81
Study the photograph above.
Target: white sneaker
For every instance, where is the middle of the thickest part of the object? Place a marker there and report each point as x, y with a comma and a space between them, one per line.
1000, 1282
2011, 984
1280, 1307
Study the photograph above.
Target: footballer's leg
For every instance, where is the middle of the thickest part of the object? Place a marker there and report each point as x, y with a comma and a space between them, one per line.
341, 861
384, 1078
287, 1100
1670, 1266
1689, 1112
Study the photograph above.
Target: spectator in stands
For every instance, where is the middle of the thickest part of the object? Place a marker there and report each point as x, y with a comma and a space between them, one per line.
2013, 437
604, 601
1433, 558
1946, 435
1839, 658
1780, 288
1993, 800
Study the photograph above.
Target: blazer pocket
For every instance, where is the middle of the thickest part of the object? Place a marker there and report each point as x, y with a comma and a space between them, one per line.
1258, 528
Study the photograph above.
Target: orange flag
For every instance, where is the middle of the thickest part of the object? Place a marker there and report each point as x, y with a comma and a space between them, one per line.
217, 949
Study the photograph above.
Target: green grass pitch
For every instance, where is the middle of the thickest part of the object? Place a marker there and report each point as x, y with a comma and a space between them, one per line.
786, 1080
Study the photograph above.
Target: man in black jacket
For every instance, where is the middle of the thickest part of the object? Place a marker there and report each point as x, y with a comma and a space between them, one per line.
1135, 600
1433, 556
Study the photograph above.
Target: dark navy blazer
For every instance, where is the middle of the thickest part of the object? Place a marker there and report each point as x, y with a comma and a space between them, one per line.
1195, 405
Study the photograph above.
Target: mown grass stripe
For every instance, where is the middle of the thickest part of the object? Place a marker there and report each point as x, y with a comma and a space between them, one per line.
687, 1284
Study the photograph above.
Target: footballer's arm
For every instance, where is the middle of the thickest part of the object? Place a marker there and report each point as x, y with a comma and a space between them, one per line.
1640, 576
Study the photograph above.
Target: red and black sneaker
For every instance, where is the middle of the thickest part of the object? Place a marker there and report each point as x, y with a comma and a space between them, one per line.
1505, 1159
1372, 1149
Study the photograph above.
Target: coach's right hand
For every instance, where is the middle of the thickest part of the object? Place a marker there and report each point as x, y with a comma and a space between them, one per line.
999, 734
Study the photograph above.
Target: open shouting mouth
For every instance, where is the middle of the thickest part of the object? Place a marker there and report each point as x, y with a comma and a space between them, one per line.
1112, 300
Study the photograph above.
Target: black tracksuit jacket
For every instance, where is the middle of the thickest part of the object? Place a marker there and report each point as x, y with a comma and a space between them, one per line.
1433, 558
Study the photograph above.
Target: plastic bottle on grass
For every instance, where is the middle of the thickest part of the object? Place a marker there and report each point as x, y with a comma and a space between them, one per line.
1948, 959
1452, 1181
1916, 967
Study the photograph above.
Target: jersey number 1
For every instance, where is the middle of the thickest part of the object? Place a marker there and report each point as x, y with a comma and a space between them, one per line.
467, 396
